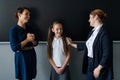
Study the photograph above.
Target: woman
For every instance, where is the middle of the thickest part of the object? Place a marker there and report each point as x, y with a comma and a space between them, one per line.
22, 42
97, 61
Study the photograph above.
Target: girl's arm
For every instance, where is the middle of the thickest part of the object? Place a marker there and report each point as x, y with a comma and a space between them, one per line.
66, 60
52, 63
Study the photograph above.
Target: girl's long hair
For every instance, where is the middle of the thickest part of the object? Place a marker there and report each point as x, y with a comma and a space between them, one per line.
50, 40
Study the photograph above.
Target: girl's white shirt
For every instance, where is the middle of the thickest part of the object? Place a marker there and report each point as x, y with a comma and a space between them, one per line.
58, 52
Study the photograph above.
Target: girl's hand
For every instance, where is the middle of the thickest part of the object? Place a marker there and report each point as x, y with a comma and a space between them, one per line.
59, 70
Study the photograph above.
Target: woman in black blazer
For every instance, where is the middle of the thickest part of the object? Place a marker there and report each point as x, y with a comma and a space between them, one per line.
97, 59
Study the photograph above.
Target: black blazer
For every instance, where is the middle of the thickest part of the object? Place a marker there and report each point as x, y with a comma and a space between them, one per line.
102, 52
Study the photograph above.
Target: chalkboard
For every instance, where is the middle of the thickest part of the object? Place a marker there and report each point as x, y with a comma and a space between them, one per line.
74, 13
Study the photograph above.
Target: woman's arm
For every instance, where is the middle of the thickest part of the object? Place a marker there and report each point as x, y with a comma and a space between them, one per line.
106, 46
14, 42
73, 45
106, 50
70, 42
79, 46
30, 38
34, 43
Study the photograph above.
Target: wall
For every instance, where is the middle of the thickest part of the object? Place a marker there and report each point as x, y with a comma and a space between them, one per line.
74, 13
43, 66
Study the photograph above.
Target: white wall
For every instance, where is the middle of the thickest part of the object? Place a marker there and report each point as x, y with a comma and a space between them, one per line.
7, 71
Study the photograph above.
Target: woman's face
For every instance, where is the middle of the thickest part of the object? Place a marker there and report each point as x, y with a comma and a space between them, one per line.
92, 20
57, 29
24, 16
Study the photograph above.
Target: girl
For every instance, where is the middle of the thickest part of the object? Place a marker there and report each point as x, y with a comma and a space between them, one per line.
22, 43
58, 52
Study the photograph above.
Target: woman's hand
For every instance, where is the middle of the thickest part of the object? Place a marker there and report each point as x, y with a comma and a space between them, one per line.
69, 40
34, 43
30, 37
96, 71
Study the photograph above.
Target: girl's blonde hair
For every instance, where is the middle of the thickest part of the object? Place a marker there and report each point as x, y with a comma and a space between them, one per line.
51, 37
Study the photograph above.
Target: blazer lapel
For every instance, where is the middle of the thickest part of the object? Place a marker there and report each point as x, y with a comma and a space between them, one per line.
90, 33
97, 37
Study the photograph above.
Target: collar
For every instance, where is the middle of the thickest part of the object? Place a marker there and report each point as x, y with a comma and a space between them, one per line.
57, 38
97, 28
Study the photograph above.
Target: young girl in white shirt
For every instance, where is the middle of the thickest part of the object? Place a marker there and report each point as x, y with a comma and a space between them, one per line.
58, 52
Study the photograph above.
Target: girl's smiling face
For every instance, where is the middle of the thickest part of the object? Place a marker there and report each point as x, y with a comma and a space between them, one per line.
57, 29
